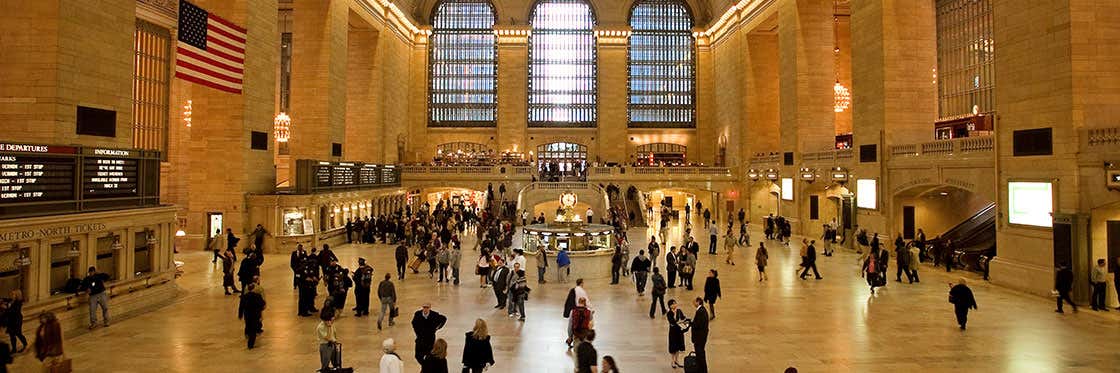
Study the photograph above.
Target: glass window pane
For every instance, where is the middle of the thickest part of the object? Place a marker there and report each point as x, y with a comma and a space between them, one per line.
965, 58
562, 69
662, 64
463, 65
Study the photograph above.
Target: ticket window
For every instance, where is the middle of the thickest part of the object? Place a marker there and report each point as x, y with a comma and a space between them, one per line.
63, 267
13, 274
106, 256
142, 254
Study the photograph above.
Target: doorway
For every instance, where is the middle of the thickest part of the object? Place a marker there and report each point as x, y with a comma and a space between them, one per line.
908, 222
214, 224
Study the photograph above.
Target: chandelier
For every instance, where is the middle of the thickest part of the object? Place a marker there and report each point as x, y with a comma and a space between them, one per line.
841, 97
283, 127
188, 111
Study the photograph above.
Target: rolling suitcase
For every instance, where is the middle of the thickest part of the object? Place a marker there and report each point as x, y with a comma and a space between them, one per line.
338, 346
414, 265
691, 363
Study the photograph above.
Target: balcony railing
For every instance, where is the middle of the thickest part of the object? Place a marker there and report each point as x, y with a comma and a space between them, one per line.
966, 145
828, 155
1103, 137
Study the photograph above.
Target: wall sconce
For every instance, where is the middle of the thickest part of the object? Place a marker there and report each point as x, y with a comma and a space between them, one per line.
180, 233
282, 127
808, 175
753, 174
772, 174
75, 248
839, 175
22, 260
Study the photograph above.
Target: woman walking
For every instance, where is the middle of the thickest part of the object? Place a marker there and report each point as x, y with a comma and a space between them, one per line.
436, 362
712, 291
483, 269
608, 365
729, 244
872, 272
478, 355
677, 325
760, 258
227, 273
13, 319
48, 340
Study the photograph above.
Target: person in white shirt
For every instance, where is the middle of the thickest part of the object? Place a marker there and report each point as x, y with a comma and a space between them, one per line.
329, 353
1098, 279
581, 293
390, 362
518, 258
589, 215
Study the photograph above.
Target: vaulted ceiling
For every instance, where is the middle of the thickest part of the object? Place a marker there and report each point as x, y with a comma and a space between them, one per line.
609, 12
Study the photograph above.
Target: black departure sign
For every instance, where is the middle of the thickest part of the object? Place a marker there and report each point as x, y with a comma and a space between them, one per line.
47, 179
322, 176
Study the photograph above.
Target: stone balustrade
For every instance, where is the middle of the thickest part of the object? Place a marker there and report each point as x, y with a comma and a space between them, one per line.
942, 148
1109, 137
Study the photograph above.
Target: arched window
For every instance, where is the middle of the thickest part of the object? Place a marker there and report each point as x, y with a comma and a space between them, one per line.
662, 65
462, 91
562, 72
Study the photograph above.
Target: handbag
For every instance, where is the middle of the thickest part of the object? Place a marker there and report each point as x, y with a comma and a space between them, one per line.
394, 312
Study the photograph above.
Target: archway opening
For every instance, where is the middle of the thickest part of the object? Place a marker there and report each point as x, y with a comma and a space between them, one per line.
957, 224
562, 161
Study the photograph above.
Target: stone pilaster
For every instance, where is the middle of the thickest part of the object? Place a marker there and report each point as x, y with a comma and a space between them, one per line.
613, 92
319, 52
363, 114
805, 44
513, 85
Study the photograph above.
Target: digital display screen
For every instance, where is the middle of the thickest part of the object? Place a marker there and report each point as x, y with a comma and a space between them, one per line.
326, 175
787, 189
867, 193
1030, 203
110, 177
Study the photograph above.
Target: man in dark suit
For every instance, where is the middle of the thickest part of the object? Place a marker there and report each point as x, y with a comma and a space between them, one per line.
500, 280
699, 329
425, 323
811, 260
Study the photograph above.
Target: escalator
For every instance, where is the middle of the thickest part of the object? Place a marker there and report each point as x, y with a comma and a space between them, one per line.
634, 207
973, 241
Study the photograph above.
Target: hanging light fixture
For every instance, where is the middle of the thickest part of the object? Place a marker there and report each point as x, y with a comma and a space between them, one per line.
188, 110
841, 96
283, 127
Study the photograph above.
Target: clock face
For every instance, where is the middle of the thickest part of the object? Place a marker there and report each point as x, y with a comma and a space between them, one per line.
568, 199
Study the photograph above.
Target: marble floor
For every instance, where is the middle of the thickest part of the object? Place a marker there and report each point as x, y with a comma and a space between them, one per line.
829, 325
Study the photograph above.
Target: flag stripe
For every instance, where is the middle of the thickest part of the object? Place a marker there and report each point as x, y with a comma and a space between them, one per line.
202, 62
204, 70
227, 61
213, 80
229, 48
207, 83
236, 38
229, 24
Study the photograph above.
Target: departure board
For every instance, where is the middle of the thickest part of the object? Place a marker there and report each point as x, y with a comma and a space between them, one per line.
323, 175
36, 178
46, 179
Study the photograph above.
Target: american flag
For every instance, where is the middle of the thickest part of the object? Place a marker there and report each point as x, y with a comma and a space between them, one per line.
211, 50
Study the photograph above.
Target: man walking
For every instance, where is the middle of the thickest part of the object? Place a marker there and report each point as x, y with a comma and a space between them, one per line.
387, 293
699, 328
713, 234
658, 292
94, 284
1063, 283
810, 261
401, 255
500, 280
363, 282
961, 298
542, 264
425, 323
640, 268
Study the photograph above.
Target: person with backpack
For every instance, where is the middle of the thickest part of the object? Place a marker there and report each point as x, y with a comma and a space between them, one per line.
640, 268
658, 292
363, 283
579, 322
251, 309
518, 292
443, 258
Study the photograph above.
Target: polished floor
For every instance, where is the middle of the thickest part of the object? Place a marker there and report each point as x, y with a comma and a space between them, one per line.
829, 325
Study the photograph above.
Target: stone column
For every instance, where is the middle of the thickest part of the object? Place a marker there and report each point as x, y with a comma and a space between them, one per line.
613, 95
728, 67
221, 167
805, 53
513, 85
363, 113
763, 119
319, 52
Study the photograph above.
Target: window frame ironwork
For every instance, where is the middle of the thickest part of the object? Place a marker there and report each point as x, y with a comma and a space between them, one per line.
965, 77
665, 36
151, 87
589, 60
436, 110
